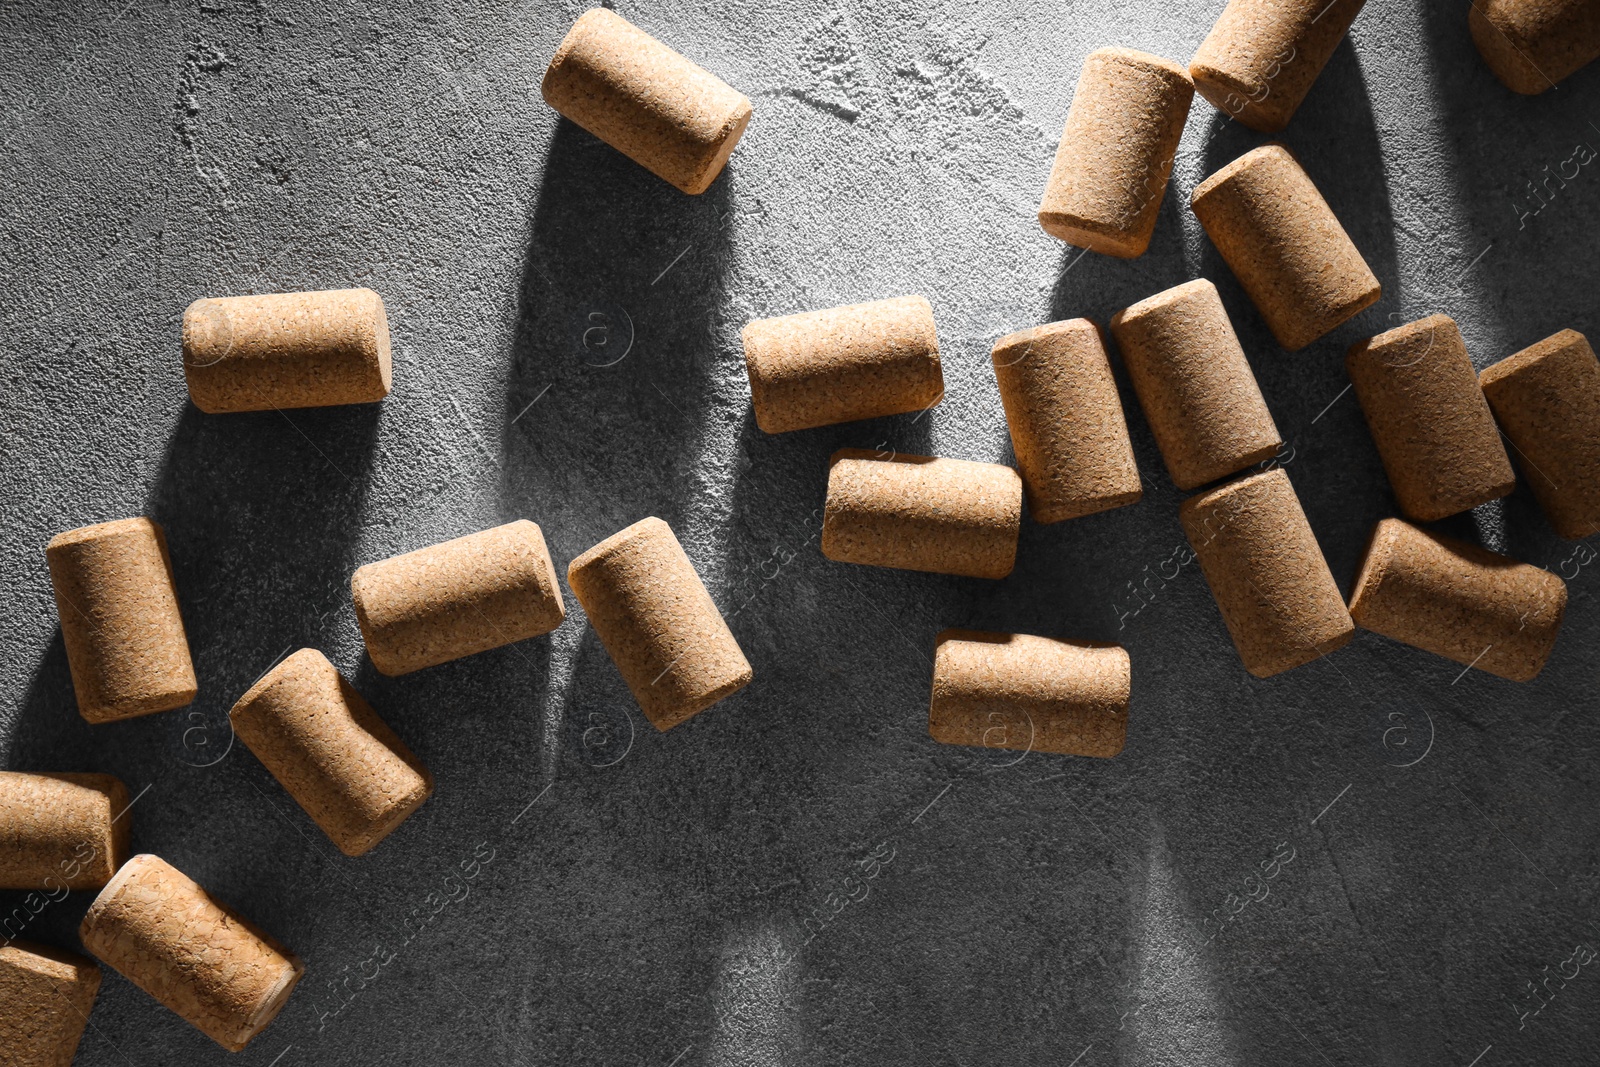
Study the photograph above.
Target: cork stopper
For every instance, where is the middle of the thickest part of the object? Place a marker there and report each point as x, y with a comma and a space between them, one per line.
196, 956
1067, 426
329, 750
457, 598
667, 114
1530, 45
1547, 399
1458, 601
286, 350
920, 513
659, 625
1017, 691
1196, 387
61, 830
1284, 245
1262, 56
1116, 152
842, 364
125, 641
1266, 572
1429, 419
46, 996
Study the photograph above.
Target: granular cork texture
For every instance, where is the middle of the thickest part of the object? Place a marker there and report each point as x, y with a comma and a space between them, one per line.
1196, 387
61, 831
1547, 400
667, 114
457, 598
286, 350
920, 513
1266, 572
1458, 601
327, 747
1533, 44
119, 620
1067, 426
46, 996
1284, 244
1017, 691
1115, 156
660, 626
843, 364
1428, 417
195, 955
1261, 56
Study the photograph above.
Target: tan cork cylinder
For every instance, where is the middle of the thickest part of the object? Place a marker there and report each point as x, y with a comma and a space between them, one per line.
1020, 692
119, 619
286, 350
46, 996
1266, 572
1196, 387
61, 830
1458, 601
457, 598
1284, 245
1547, 399
922, 513
1532, 44
195, 955
1435, 435
1262, 56
1116, 152
669, 115
661, 628
329, 750
1067, 426
843, 364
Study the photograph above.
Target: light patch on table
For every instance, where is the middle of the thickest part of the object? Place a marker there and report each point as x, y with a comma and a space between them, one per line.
753, 1023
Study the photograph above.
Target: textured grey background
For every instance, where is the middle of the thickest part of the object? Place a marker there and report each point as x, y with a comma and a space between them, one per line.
584, 890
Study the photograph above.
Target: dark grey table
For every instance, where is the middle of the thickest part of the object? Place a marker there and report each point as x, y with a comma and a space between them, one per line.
583, 890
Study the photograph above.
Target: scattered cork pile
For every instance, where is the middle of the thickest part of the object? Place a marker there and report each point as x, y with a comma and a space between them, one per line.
1437, 425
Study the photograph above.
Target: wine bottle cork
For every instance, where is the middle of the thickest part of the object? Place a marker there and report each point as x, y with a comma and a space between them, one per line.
1026, 693
125, 641
1196, 387
1533, 44
457, 598
46, 996
1458, 601
1428, 417
1266, 572
286, 350
659, 625
1067, 426
195, 955
1116, 152
1547, 399
61, 831
1261, 57
1284, 245
843, 364
669, 115
329, 750
921, 513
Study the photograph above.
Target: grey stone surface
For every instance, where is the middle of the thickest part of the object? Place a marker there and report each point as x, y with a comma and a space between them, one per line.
584, 890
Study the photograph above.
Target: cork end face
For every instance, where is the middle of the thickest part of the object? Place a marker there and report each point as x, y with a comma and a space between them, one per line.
1232, 97
1046, 515
1504, 59
1332, 641
1158, 65
1015, 347
1188, 292
1374, 567
1193, 476
151, 703
306, 659
271, 1006
1082, 233
139, 526
380, 345
1566, 343
361, 844
738, 121
1268, 155
595, 20
617, 542
665, 718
